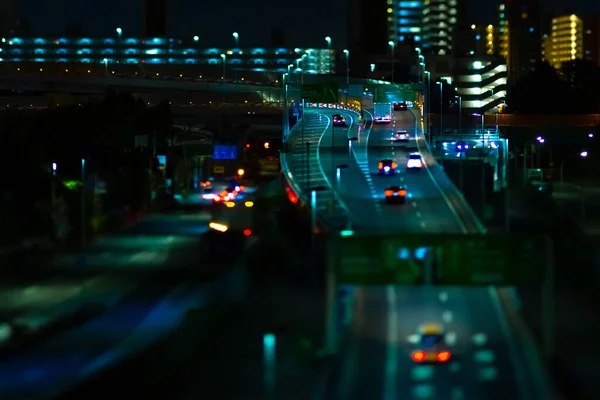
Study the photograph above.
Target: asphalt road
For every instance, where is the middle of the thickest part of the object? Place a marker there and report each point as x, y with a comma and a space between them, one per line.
141, 277
486, 362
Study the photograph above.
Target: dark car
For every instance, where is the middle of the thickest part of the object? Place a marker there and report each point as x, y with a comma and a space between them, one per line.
387, 167
395, 195
400, 106
338, 120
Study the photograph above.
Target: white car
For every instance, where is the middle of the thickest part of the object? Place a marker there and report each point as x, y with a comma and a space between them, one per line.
414, 161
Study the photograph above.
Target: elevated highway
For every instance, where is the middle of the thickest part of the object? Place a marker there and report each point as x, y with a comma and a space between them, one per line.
492, 357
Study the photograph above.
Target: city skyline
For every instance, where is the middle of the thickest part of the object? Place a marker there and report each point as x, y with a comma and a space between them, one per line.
102, 18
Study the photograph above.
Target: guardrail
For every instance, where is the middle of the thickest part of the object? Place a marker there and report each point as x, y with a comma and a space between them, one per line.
452, 195
293, 188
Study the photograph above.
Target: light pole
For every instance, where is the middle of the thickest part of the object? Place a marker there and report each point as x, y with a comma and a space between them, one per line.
392, 54
583, 154
83, 224
328, 40
419, 57
119, 32
527, 145
289, 72
53, 193
350, 140
236, 39
441, 83
303, 60
421, 68
224, 61
105, 61
196, 38
347, 53
459, 114
286, 111
428, 104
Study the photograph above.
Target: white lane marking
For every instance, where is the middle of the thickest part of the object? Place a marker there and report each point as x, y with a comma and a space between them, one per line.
450, 338
419, 214
414, 204
457, 393
423, 224
447, 317
479, 339
484, 356
422, 372
443, 296
423, 391
391, 365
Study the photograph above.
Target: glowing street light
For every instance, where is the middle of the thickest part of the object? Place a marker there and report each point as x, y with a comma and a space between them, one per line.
236, 38
328, 40
583, 154
119, 32
347, 53
196, 38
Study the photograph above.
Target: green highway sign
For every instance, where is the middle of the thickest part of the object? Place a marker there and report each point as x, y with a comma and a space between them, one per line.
320, 93
455, 259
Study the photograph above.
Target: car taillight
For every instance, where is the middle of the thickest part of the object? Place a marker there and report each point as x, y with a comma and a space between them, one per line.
388, 193
380, 165
443, 356
394, 165
418, 356
242, 188
247, 232
401, 192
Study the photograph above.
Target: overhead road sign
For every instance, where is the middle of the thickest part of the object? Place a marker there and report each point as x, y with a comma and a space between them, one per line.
455, 259
320, 93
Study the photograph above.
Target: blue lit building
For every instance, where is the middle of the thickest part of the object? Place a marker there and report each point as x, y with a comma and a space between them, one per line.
118, 53
405, 20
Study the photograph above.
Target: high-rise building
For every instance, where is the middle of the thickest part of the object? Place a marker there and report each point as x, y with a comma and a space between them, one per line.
591, 38
440, 19
502, 47
155, 18
524, 38
565, 42
405, 20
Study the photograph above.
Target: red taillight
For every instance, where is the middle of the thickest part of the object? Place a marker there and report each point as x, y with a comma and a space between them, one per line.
402, 193
393, 165
242, 188
388, 193
380, 165
292, 197
443, 356
418, 356
247, 232
207, 183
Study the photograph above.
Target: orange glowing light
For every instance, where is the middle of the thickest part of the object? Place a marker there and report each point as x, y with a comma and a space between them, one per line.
418, 356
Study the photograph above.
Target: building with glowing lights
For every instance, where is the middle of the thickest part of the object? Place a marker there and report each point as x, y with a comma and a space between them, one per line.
482, 40
502, 43
405, 20
121, 53
440, 18
481, 82
565, 42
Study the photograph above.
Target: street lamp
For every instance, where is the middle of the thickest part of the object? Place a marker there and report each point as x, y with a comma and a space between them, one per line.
196, 38
83, 224
328, 40
303, 60
236, 38
350, 140
119, 32
105, 61
421, 67
441, 83
392, 48
583, 154
224, 60
347, 53
459, 113
529, 145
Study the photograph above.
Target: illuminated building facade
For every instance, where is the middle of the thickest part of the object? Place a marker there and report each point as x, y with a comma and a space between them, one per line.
485, 40
161, 51
502, 43
440, 18
405, 20
481, 82
565, 42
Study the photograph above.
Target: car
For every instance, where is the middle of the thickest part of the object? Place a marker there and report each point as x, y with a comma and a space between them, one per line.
395, 195
432, 348
387, 167
400, 106
414, 162
401, 136
338, 120
462, 146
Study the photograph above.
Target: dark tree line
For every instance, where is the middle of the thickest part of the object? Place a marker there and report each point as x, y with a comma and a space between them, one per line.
573, 89
103, 134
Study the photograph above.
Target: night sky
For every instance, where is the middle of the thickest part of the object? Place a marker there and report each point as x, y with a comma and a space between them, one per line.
306, 22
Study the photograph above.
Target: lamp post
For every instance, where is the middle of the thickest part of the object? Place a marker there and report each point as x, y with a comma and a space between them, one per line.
289, 72
421, 68
529, 145
303, 60
428, 103
119, 32
459, 114
583, 154
224, 61
105, 61
328, 40
392, 48
236, 39
441, 83
196, 38
83, 224
419, 59
347, 53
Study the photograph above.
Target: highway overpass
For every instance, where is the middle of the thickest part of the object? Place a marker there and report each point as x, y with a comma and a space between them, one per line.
338, 177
